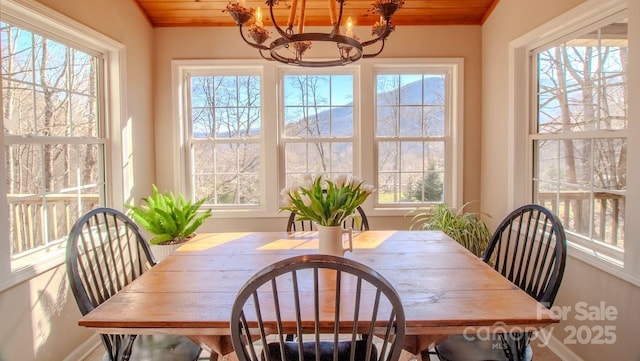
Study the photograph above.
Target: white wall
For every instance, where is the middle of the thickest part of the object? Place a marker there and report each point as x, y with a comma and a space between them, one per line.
38, 318
582, 282
509, 20
406, 41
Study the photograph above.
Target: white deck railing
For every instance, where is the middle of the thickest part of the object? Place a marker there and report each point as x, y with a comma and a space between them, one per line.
572, 207
36, 221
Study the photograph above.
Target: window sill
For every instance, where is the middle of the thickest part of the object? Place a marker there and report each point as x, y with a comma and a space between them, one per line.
218, 213
27, 267
612, 267
254, 213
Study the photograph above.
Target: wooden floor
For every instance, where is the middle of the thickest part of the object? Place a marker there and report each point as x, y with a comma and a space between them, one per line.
540, 354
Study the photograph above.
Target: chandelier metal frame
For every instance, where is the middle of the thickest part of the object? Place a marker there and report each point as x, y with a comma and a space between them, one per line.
289, 47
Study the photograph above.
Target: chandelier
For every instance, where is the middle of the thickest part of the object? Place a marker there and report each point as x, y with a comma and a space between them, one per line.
290, 46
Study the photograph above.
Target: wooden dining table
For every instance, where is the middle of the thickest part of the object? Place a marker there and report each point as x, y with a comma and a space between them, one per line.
444, 288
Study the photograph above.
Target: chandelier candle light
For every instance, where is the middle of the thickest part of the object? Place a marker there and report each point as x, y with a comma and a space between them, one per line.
291, 46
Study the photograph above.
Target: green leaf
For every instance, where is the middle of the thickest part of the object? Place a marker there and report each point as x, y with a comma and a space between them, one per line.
161, 238
329, 203
466, 228
168, 217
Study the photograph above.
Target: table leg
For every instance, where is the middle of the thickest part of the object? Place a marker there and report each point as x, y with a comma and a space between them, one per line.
420, 345
219, 345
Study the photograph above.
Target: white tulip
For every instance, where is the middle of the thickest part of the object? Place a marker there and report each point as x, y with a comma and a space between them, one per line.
308, 178
307, 181
354, 181
295, 188
340, 180
368, 188
286, 201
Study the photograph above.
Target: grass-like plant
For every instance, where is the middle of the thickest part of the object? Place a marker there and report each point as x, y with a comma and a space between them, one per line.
464, 227
169, 218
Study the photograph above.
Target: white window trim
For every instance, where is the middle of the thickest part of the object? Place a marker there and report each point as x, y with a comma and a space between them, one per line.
519, 112
186, 128
180, 69
52, 22
454, 151
364, 97
355, 139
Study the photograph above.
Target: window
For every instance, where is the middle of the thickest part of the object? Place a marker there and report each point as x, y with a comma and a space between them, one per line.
55, 144
579, 134
53, 136
246, 139
412, 122
318, 125
570, 118
224, 138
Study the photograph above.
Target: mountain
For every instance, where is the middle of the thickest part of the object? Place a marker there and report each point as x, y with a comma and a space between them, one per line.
342, 117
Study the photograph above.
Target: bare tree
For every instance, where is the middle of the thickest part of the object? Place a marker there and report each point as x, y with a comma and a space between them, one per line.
307, 88
40, 79
583, 89
230, 112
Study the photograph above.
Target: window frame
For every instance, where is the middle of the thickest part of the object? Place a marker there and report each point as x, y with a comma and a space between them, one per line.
591, 13
283, 141
187, 129
453, 134
272, 150
612, 254
41, 19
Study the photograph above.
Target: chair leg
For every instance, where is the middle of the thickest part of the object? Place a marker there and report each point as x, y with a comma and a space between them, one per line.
426, 355
126, 353
213, 356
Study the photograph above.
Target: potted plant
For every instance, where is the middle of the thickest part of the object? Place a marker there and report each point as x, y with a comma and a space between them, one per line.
327, 202
464, 227
172, 220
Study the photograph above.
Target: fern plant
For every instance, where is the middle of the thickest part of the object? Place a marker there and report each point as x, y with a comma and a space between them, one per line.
169, 218
464, 227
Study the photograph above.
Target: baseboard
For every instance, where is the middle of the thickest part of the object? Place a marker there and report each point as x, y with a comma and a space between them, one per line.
559, 348
85, 349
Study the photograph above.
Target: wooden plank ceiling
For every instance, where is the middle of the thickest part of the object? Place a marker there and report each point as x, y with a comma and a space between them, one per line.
168, 13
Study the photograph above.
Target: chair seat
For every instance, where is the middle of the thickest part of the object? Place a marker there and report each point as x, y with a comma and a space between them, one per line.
162, 348
326, 351
461, 348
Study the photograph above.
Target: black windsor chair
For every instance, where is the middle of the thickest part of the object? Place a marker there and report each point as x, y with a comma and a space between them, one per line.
296, 296
529, 248
106, 252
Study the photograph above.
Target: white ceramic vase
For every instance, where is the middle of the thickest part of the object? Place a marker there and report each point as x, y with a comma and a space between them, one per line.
332, 240
162, 251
